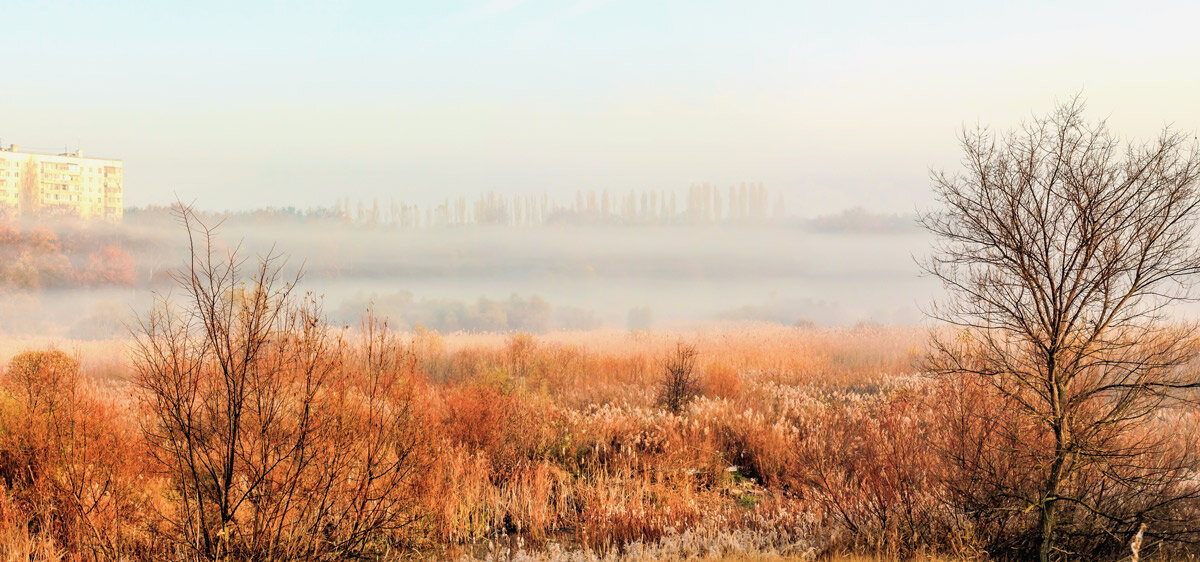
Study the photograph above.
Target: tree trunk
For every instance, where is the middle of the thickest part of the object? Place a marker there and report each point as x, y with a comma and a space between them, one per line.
1050, 495
1046, 526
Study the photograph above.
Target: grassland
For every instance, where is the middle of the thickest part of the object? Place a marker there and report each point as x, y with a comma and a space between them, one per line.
802, 443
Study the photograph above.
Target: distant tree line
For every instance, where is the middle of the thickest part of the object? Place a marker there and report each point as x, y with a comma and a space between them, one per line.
746, 203
703, 204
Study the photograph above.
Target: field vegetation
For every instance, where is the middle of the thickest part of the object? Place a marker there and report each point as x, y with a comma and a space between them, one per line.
1051, 414
799, 443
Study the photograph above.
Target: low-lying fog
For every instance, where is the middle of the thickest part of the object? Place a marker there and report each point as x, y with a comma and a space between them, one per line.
679, 273
535, 278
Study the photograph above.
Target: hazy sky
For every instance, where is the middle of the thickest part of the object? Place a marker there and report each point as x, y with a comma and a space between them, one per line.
242, 104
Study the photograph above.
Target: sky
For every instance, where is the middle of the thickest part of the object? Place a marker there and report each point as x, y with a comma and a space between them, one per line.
237, 105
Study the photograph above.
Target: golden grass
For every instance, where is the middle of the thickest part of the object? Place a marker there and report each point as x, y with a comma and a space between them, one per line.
552, 448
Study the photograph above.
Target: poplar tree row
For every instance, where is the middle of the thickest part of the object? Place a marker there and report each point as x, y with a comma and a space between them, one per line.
703, 204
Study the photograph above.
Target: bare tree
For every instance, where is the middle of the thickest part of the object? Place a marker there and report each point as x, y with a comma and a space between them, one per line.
680, 383
281, 439
1062, 250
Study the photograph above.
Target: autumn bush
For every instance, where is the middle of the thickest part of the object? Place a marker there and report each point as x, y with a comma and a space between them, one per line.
71, 462
278, 436
679, 384
41, 258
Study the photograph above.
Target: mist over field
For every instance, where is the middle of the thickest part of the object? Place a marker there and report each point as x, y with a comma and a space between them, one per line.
681, 274
831, 271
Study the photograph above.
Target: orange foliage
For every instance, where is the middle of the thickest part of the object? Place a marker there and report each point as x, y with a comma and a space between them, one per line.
73, 466
110, 265
39, 259
804, 441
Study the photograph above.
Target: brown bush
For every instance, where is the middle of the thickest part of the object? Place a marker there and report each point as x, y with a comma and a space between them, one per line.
679, 384
72, 465
280, 438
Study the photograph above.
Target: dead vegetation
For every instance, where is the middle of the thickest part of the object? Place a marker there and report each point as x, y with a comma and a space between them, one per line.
801, 442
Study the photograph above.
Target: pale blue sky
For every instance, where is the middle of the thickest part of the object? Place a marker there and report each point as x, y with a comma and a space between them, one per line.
243, 104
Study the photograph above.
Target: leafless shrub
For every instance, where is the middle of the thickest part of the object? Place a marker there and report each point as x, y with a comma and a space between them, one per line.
680, 384
281, 439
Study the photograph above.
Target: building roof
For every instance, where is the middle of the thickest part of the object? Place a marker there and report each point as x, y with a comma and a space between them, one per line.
16, 149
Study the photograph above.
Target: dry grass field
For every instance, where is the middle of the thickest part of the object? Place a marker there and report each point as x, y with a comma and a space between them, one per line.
798, 443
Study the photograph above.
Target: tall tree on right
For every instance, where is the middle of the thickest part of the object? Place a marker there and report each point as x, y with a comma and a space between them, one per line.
1064, 251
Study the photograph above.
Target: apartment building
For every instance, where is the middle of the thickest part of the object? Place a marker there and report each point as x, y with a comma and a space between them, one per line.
33, 183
